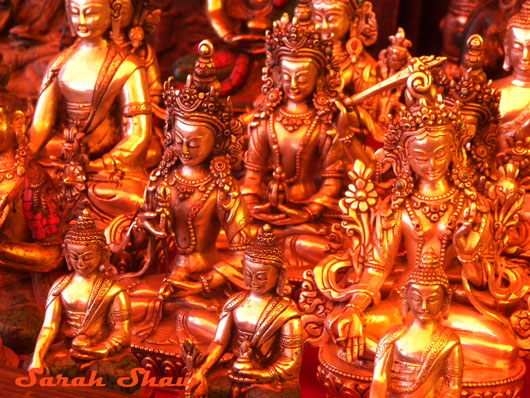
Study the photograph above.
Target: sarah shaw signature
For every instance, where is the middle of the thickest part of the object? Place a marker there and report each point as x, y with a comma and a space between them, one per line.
139, 376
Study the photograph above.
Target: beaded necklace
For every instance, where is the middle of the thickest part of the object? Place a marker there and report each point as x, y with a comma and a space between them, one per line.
299, 152
449, 229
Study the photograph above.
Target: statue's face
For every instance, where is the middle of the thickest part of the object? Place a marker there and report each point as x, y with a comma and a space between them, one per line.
519, 49
83, 259
397, 58
425, 302
89, 18
430, 157
299, 77
260, 278
194, 142
332, 20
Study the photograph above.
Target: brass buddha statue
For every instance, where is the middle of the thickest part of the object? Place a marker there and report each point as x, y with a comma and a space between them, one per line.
191, 197
260, 327
294, 162
89, 309
433, 205
30, 228
107, 113
421, 358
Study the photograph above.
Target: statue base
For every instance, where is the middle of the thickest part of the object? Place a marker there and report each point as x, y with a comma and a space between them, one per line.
341, 379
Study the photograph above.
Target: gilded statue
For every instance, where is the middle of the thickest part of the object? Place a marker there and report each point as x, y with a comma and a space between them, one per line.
89, 308
30, 228
294, 162
515, 88
101, 143
260, 327
433, 205
191, 197
421, 358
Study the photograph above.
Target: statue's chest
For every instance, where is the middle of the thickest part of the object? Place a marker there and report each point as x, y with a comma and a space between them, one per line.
79, 75
248, 313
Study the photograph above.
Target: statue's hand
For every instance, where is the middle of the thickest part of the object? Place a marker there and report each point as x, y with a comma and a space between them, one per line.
197, 386
292, 216
345, 120
144, 221
166, 290
250, 376
348, 331
469, 233
98, 351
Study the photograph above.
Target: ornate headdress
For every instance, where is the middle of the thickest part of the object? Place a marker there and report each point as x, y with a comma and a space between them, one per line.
426, 111
479, 103
299, 38
265, 250
296, 37
85, 232
199, 101
429, 272
522, 18
351, 6
399, 41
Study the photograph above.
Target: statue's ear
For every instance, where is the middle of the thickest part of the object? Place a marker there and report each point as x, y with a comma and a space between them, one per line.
506, 65
404, 303
447, 302
116, 18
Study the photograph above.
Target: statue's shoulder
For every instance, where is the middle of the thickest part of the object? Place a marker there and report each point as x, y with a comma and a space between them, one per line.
57, 287
234, 301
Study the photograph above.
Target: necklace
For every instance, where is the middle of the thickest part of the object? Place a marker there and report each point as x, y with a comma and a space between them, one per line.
194, 210
186, 187
433, 211
303, 143
449, 228
292, 122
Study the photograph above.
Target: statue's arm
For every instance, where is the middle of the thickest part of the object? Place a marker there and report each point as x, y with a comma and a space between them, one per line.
332, 172
382, 369
130, 151
50, 327
234, 216
219, 344
256, 161
44, 118
119, 319
453, 372
218, 19
287, 366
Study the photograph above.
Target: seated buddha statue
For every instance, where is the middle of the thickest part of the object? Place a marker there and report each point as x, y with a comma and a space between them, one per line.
515, 88
89, 309
104, 113
294, 162
30, 228
433, 205
421, 358
260, 327
191, 197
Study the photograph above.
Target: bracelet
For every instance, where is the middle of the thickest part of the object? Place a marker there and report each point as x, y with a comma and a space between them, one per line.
312, 215
205, 280
352, 305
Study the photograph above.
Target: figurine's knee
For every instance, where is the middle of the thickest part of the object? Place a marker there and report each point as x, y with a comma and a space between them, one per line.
202, 324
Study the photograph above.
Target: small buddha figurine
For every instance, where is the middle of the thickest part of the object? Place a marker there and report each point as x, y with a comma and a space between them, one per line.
191, 197
294, 162
264, 326
421, 358
30, 228
88, 308
107, 109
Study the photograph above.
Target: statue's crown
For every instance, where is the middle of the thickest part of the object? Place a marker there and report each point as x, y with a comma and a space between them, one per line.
199, 98
265, 250
425, 109
399, 40
85, 232
297, 37
522, 18
429, 271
